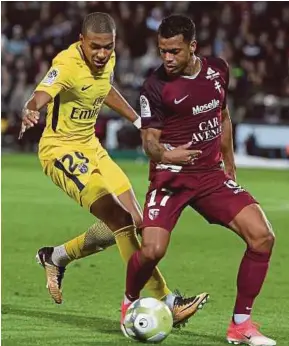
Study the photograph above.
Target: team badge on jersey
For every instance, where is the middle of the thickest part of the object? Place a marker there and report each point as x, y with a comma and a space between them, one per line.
153, 213
51, 77
212, 74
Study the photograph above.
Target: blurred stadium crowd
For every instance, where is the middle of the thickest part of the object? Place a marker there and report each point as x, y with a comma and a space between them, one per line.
252, 36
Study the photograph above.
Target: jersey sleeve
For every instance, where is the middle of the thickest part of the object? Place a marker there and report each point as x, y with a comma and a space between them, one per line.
58, 78
151, 106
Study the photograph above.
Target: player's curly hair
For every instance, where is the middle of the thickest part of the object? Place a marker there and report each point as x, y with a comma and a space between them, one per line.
177, 24
98, 22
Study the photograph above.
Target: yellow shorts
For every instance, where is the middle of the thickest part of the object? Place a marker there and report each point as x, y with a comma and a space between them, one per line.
87, 175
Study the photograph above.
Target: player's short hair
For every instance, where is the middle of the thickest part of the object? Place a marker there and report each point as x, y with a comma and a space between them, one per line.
177, 24
98, 22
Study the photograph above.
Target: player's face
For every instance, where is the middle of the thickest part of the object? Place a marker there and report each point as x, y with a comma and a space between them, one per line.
176, 53
97, 48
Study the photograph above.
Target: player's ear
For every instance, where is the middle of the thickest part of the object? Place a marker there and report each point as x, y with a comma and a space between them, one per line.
193, 46
81, 38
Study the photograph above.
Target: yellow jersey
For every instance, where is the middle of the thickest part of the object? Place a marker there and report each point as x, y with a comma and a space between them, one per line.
77, 97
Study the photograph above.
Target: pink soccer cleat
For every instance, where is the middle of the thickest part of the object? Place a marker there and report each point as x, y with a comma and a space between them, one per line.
247, 333
124, 308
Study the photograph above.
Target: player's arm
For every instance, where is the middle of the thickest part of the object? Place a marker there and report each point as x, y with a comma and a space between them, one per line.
227, 147
58, 78
116, 101
30, 111
157, 152
151, 144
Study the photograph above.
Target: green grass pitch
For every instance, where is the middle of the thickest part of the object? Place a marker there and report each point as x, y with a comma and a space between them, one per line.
200, 258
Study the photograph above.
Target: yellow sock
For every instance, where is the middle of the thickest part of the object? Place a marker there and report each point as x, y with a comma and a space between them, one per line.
128, 243
75, 248
97, 238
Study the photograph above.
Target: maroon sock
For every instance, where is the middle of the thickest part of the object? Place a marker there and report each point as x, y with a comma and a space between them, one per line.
252, 273
137, 275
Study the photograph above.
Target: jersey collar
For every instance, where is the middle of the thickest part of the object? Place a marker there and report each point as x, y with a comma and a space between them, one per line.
194, 76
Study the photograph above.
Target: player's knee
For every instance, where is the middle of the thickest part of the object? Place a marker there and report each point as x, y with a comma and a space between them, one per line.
125, 218
119, 218
111, 213
264, 239
153, 252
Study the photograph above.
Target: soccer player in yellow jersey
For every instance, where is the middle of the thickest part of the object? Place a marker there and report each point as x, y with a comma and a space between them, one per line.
74, 89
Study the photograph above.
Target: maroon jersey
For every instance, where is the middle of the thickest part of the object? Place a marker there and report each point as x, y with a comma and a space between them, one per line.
188, 109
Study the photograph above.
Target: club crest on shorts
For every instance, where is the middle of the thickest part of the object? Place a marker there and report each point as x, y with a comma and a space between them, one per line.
153, 213
83, 168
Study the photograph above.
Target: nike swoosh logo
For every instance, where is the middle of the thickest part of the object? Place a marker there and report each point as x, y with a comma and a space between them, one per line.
246, 336
85, 87
181, 100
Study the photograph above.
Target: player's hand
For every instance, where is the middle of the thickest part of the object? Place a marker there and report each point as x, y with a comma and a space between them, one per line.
29, 119
230, 170
181, 155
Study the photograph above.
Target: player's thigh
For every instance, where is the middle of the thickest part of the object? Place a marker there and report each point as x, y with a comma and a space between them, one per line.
113, 174
129, 201
77, 174
163, 207
223, 201
121, 186
253, 226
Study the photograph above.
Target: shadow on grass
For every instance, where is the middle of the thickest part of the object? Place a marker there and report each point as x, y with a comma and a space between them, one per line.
94, 323
212, 339
105, 326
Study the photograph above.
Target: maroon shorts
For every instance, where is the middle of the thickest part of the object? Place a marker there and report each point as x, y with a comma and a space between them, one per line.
212, 194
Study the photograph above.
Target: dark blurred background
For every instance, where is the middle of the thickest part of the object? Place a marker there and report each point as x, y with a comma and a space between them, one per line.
253, 37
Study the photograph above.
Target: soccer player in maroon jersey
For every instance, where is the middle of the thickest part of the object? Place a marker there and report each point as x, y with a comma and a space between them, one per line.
187, 135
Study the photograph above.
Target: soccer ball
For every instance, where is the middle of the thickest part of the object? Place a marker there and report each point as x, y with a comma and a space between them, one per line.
148, 320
